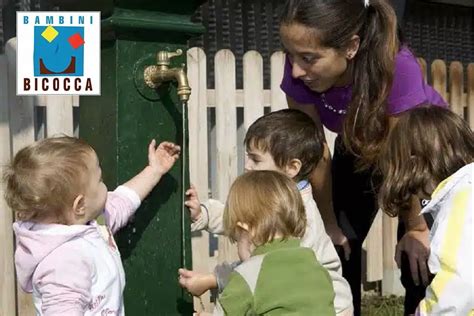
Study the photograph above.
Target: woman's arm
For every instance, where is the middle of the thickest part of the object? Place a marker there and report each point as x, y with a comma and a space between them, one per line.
321, 181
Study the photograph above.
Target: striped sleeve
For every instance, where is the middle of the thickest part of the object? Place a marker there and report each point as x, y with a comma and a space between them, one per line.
236, 299
452, 290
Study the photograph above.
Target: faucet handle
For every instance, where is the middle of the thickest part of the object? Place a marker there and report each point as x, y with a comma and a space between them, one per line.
163, 57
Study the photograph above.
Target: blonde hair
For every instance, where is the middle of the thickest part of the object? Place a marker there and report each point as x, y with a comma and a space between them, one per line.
269, 203
44, 178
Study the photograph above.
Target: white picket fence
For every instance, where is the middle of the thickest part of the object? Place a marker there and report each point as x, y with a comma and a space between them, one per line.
216, 151
227, 152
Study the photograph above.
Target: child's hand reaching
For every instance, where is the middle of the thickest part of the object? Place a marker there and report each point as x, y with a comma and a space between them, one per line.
196, 283
162, 158
193, 203
160, 161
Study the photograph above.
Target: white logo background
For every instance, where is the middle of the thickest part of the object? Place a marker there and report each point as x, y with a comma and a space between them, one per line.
25, 40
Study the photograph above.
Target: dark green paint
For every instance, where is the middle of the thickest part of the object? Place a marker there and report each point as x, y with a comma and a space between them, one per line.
149, 20
119, 125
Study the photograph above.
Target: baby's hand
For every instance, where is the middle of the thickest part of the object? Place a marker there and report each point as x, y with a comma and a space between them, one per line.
196, 283
161, 159
193, 203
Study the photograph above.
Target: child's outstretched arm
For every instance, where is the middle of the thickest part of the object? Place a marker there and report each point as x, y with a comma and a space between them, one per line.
124, 201
196, 283
206, 215
160, 161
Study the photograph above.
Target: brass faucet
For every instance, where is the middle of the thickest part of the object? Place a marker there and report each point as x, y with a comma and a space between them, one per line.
155, 75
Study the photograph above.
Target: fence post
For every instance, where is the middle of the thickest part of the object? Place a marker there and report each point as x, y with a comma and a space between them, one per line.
22, 134
253, 87
59, 115
374, 248
198, 161
391, 274
470, 94
278, 99
438, 77
226, 138
456, 88
423, 67
7, 271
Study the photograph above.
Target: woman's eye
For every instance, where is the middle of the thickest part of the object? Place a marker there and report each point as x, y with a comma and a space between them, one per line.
308, 59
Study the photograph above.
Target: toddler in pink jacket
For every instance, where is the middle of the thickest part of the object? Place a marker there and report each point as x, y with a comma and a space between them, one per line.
69, 262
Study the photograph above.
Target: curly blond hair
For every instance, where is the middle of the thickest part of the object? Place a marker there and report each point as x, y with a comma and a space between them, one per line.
44, 178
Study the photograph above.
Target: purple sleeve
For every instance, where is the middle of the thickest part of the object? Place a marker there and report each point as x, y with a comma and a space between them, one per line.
409, 90
121, 204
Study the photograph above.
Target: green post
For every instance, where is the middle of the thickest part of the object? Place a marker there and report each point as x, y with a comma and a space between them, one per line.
120, 123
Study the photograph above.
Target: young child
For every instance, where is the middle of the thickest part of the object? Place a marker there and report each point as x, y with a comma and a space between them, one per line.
289, 142
430, 153
266, 215
70, 264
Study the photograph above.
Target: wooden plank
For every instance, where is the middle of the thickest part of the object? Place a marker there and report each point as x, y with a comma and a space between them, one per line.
253, 87
423, 67
278, 98
22, 134
198, 161
439, 77
226, 138
456, 88
40, 100
391, 274
374, 243
59, 115
75, 100
7, 270
470, 95
239, 98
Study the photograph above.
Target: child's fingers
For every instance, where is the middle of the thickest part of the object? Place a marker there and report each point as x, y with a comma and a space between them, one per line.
169, 146
151, 147
191, 192
183, 282
185, 273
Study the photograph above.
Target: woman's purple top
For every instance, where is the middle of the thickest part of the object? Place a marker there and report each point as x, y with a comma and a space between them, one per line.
408, 91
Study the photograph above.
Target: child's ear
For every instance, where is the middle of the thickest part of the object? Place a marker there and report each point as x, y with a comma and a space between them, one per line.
78, 206
293, 167
244, 226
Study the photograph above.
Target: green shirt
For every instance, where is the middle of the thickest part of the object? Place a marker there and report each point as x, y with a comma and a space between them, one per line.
280, 278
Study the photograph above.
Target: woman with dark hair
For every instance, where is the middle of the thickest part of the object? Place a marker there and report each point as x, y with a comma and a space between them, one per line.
347, 68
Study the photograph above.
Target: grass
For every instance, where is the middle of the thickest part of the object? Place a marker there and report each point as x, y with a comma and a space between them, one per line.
373, 305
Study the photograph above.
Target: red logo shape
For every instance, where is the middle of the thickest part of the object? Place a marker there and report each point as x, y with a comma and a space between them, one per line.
76, 40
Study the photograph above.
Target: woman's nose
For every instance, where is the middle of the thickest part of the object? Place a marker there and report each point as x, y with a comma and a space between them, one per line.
297, 71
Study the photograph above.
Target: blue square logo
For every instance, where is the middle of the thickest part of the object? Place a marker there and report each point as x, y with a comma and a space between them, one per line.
58, 51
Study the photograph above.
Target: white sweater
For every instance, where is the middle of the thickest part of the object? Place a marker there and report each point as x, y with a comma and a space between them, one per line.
451, 259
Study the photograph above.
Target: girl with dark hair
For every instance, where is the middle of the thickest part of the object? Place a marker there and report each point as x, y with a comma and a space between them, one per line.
430, 153
347, 68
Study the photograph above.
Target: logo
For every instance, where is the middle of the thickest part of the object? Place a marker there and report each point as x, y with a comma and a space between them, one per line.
58, 53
